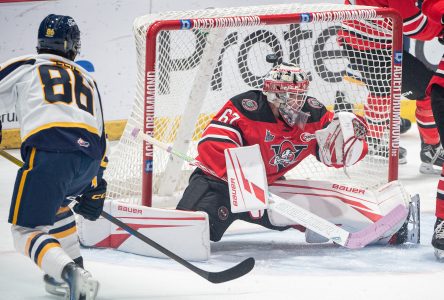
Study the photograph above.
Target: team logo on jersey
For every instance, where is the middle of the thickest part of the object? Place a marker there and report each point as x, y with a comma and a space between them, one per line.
285, 154
314, 103
268, 136
249, 104
82, 143
306, 137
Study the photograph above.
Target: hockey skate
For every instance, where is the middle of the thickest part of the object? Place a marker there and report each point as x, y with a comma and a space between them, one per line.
59, 288
432, 158
402, 159
405, 125
438, 239
55, 287
81, 286
378, 149
410, 230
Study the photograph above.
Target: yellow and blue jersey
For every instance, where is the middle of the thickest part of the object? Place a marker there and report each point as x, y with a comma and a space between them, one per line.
57, 103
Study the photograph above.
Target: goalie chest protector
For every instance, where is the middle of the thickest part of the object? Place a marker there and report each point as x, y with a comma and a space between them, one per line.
247, 119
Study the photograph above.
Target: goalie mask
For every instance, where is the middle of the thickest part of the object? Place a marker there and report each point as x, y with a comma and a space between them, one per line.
59, 35
286, 87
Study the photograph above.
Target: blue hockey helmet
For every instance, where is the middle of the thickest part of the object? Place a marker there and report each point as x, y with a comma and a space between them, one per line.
59, 35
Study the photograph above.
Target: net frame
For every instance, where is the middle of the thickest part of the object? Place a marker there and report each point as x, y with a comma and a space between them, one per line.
328, 13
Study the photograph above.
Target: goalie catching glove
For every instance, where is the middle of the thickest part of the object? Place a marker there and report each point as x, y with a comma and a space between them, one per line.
90, 203
342, 143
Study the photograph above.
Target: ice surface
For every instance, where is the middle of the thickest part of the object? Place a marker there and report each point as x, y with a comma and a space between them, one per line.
286, 267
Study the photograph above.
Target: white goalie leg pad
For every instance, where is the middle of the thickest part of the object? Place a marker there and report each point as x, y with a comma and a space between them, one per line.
353, 208
163, 226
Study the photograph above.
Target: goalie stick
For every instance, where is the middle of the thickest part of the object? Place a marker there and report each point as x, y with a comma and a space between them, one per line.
300, 215
234, 272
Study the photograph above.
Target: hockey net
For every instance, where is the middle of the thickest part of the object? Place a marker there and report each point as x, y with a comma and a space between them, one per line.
190, 63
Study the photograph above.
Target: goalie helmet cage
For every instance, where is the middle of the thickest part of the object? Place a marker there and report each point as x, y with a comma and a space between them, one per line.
190, 63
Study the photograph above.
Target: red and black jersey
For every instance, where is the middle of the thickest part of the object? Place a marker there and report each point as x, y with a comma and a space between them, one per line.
375, 34
438, 77
434, 9
247, 119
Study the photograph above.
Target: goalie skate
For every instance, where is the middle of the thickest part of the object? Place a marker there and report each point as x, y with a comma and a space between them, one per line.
432, 159
377, 148
81, 285
410, 230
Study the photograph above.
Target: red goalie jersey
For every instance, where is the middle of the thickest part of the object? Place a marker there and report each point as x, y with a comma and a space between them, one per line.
247, 119
367, 35
435, 10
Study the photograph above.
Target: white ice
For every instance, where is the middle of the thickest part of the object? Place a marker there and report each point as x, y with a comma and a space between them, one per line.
286, 267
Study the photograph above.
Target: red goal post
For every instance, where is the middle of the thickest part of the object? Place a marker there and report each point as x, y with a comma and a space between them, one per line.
213, 32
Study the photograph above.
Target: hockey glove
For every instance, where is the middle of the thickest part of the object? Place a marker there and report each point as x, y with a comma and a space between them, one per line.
90, 204
342, 143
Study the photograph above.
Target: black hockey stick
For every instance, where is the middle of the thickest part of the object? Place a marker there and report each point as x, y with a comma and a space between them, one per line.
215, 277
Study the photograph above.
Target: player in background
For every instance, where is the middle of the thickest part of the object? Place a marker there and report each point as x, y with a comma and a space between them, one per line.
364, 41
282, 119
63, 148
434, 9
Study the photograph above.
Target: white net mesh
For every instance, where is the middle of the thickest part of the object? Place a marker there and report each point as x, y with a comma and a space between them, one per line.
198, 70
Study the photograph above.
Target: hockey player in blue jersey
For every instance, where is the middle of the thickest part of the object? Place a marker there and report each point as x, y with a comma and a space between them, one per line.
63, 146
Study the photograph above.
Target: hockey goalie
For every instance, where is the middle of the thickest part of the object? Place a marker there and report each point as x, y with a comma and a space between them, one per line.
243, 155
258, 136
